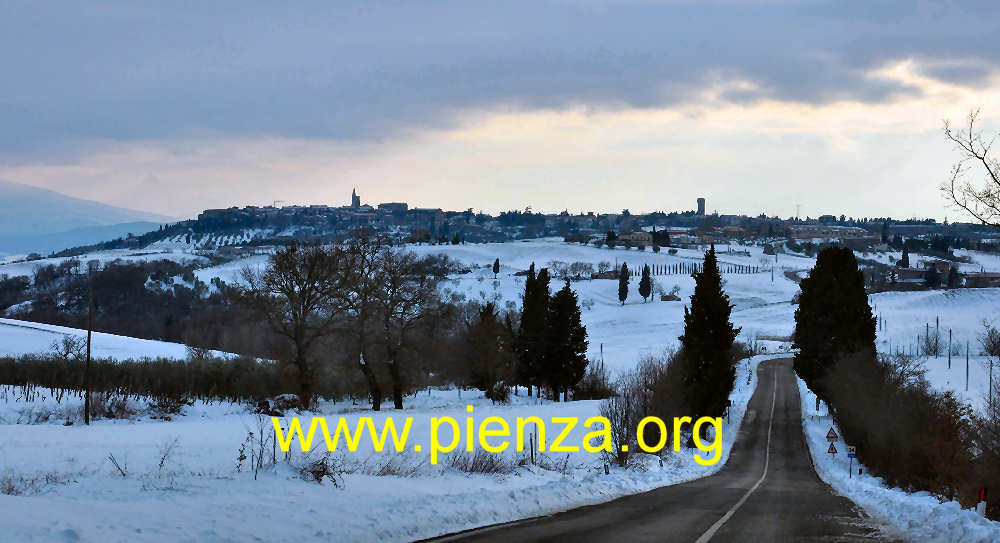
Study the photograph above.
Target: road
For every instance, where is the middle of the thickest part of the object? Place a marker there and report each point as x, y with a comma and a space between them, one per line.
767, 491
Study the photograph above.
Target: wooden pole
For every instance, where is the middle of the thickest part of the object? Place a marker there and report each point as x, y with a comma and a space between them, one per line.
86, 369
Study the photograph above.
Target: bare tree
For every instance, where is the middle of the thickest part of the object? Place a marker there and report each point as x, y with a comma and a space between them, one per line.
408, 292
363, 296
299, 295
981, 202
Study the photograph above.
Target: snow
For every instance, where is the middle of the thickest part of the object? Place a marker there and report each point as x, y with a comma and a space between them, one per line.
197, 495
913, 516
13, 268
22, 337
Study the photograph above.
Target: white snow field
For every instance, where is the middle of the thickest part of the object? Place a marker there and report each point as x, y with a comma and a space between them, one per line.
915, 516
13, 268
22, 337
199, 496
196, 495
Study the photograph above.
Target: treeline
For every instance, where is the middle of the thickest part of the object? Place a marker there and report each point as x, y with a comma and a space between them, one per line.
160, 300
160, 381
912, 436
374, 313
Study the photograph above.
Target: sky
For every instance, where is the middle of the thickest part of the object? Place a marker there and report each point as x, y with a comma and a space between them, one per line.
584, 105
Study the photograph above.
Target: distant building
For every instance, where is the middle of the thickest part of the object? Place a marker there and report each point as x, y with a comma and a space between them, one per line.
355, 199
393, 207
701, 206
638, 236
817, 231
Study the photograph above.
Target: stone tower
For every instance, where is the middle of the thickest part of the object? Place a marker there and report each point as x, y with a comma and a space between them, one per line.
355, 199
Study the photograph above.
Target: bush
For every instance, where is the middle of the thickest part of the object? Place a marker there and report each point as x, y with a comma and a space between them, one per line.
166, 382
905, 432
595, 385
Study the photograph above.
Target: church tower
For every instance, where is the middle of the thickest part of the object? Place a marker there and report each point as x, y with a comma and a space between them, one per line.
355, 199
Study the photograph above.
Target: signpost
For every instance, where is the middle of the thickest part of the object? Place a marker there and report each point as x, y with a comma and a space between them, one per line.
831, 436
832, 449
851, 454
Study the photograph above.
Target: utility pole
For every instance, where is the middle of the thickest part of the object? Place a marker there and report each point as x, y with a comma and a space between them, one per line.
966, 365
949, 348
86, 369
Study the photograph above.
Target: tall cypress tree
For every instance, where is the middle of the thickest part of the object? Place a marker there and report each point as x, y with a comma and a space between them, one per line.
904, 262
534, 321
566, 342
496, 268
623, 284
645, 284
833, 318
709, 367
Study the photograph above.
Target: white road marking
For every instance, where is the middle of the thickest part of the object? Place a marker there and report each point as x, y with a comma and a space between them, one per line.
705, 537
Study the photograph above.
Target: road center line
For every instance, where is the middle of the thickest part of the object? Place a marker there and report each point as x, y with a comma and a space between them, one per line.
705, 537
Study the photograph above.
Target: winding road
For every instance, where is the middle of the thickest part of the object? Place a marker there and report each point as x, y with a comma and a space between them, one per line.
767, 491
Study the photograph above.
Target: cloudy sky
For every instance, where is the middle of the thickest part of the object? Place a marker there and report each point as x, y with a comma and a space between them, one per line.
583, 105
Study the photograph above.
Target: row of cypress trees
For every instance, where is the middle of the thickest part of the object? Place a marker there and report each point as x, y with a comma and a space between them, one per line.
645, 283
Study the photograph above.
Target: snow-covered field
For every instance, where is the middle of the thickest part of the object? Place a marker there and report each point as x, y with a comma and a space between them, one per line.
12, 268
914, 517
198, 495
23, 337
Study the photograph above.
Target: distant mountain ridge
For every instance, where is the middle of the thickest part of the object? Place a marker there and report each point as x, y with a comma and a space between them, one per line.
34, 219
27, 210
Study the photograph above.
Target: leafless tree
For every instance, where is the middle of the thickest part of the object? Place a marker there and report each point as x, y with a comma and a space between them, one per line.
982, 202
299, 294
408, 292
365, 251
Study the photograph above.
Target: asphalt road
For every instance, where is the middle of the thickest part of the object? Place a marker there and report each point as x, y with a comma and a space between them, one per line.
767, 491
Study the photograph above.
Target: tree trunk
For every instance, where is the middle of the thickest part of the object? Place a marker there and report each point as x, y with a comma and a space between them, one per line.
373, 389
397, 385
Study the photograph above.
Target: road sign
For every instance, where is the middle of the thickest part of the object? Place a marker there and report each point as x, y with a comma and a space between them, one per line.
832, 449
852, 452
831, 436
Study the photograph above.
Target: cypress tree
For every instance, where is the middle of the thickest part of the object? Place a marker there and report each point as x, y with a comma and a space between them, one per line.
904, 262
709, 368
534, 320
833, 318
645, 284
566, 342
623, 284
496, 268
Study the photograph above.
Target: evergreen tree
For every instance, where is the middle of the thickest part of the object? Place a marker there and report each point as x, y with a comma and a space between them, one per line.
904, 262
645, 284
708, 365
566, 343
623, 284
833, 318
954, 278
534, 321
496, 268
487, 356
932, 278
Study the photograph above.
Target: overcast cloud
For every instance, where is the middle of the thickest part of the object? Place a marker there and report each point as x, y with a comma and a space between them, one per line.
85, 74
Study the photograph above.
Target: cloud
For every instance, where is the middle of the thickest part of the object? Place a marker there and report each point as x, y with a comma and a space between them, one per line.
366, 71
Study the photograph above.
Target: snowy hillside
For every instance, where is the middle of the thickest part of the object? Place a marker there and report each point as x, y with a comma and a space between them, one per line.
22, 337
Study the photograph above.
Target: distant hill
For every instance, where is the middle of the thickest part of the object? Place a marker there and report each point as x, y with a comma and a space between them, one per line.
57, 241
33, 219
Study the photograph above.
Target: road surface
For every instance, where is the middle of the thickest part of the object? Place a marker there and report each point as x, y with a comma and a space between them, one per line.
767, 491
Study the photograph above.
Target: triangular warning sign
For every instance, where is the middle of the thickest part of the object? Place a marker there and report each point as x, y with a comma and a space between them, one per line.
832, 449
831, 435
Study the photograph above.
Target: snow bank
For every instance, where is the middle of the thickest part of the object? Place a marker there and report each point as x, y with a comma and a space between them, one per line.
915, 517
